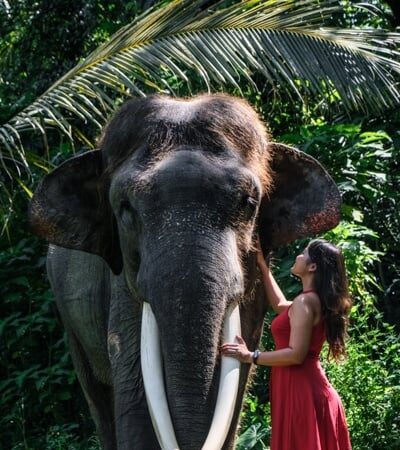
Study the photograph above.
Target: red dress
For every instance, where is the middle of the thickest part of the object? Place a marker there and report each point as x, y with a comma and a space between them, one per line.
306, 411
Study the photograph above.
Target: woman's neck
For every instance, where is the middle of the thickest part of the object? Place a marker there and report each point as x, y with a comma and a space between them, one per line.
308, 284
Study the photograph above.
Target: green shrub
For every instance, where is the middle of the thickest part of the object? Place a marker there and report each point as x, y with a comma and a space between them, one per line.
60, 438
37, 379
369, 385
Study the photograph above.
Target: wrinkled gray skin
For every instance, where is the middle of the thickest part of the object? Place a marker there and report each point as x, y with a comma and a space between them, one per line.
166, 212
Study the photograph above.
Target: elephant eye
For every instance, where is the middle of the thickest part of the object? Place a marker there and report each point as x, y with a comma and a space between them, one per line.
249, 205
126, 213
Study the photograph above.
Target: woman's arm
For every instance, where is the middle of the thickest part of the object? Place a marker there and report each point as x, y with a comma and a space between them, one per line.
301, 324
273, 292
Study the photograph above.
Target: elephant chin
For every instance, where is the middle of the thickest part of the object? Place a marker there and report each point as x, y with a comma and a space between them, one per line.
152, 369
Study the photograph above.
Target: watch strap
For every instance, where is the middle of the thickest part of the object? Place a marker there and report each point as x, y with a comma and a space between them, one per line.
256, 354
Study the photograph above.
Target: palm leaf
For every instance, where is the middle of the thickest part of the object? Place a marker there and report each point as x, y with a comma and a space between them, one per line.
284, 40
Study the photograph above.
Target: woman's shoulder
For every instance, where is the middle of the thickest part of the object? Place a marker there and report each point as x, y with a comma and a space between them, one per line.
308, 301
307, 298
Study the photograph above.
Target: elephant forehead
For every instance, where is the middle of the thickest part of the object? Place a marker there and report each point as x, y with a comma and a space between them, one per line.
154, 126
184, 174
178, 111
195, 163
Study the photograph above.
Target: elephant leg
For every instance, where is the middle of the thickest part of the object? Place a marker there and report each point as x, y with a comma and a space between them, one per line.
134, 430
99, 396
133, 424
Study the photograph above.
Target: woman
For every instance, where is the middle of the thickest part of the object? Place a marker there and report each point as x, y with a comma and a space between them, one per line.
306, 411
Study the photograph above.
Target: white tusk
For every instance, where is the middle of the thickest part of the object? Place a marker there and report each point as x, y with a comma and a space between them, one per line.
153, 380
228, 387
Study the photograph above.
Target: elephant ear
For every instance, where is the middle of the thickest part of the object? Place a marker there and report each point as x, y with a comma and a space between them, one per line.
304, 200
70, 208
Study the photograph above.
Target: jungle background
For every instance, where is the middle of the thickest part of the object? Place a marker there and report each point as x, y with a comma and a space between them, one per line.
42, 407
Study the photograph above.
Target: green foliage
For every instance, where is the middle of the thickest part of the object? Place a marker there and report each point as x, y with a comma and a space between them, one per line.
364, 160
42, 40
253, 438
37, 380
222, 43
369, 380
369, 384
60, 438
42, 404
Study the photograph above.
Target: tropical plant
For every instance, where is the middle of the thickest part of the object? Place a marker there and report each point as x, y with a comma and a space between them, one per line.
39, 411
223, 43
37, 377
42, 40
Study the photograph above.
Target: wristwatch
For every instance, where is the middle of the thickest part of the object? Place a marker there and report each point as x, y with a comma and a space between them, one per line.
256, 354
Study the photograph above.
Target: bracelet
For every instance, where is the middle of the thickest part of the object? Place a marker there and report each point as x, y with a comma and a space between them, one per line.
256, 354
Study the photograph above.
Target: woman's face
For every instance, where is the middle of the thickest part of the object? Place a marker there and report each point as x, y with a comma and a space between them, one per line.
302, 264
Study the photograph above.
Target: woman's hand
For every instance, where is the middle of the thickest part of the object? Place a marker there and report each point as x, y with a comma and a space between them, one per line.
237, 350
262, 261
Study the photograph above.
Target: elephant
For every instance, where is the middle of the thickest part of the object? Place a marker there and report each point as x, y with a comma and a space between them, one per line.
152, 261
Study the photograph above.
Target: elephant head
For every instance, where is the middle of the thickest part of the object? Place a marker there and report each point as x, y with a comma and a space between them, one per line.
172, 200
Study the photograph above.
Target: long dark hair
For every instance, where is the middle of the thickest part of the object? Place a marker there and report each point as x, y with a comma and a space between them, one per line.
332, 287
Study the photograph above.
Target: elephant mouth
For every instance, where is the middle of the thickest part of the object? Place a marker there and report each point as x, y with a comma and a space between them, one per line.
152, 369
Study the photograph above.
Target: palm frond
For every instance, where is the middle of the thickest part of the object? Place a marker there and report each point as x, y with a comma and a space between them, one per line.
284, 40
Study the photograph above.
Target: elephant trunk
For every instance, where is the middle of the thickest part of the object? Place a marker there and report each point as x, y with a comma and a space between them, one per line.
155, 389
190, 317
